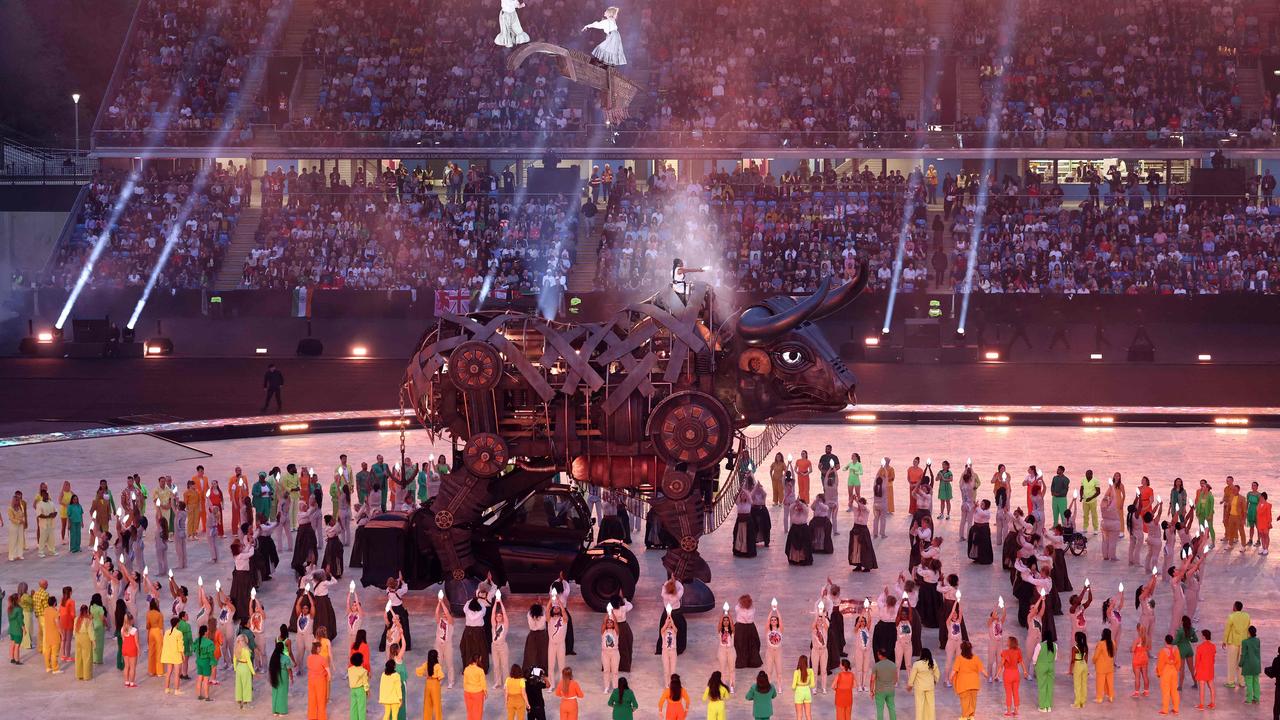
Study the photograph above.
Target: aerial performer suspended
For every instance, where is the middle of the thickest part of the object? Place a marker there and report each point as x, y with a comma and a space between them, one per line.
510, 33
609, 51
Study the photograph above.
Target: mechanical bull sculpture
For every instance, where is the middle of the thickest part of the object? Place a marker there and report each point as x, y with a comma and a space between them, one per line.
650, 402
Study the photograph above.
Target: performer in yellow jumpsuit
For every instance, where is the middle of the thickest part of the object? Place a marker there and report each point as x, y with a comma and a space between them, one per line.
84, 644
50, 636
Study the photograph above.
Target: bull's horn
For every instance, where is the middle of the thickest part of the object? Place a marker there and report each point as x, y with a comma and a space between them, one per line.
758, 323
843, 295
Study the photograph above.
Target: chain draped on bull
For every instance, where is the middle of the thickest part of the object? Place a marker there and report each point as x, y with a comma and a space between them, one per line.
649, 402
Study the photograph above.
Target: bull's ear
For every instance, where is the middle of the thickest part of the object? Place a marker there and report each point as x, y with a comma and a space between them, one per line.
759, 324
843, 295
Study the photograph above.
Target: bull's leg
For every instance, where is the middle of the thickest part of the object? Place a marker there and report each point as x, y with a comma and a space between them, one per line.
461, 499
683, 519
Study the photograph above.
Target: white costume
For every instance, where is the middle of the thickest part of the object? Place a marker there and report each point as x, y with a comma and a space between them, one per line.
510, 33
609, 51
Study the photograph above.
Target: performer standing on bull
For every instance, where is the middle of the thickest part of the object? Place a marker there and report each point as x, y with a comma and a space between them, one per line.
609, 52
510, 33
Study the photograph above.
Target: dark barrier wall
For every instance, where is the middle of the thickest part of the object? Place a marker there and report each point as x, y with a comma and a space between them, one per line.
869, 308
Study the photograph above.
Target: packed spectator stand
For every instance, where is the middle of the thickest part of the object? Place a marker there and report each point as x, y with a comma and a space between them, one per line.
752, 74
398, 231
398, 72
1141, 74
184, 69
754, 232
746, 74
158, 203
757, 233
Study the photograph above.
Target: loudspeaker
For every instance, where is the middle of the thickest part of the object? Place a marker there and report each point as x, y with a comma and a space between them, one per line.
882, 354
1142, 353
555, 181
84, 349
959, 354
93, 330
1221, 182
310, 347
923, 334
921, 355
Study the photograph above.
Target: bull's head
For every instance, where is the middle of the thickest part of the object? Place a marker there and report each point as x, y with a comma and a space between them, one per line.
779, 364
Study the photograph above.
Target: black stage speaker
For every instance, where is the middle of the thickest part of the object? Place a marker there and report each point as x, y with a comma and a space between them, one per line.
310, 347
96, 330
959, 354
883, 354
1142, 353
555, 181
923, 334
84, 349
921, 355
1223, 182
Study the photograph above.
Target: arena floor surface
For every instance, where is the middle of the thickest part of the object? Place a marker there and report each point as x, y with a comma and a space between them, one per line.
1161, 453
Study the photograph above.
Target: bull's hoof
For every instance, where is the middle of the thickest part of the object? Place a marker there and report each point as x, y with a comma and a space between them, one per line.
698, 597
459, 592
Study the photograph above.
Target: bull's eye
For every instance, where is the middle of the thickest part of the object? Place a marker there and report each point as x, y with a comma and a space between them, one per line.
792, 358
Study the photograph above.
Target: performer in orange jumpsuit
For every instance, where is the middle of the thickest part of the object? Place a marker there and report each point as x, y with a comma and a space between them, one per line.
317, 684
202, 486
1167, 664
237, 490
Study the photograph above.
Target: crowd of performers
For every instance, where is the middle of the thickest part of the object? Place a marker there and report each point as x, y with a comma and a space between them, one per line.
1172, 536
144, 609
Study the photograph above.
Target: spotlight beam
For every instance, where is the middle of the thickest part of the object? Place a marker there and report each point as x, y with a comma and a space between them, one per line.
930, 88
153, 137
1008, 29
270, 38
99, 245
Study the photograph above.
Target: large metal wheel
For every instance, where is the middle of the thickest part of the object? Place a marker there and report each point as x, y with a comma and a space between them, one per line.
486, 455
475, 366
676, 485
690, 427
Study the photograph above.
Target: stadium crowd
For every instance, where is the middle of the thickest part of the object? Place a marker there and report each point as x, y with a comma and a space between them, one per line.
755, 232
186, 69
399, 71
759, 70
396, 231
1137, 238
713, 74
1138, 74
158, 202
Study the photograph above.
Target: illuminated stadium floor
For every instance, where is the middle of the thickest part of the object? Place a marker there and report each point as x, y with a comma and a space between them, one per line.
1158, 452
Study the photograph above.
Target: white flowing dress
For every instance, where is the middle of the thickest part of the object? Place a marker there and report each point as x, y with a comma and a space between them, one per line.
510, 32
609, 51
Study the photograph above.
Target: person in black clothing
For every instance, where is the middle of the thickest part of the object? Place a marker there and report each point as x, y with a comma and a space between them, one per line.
1060, 332
272, 382
1274, 672
1019, 329
827, 462
533, 688
939, 266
